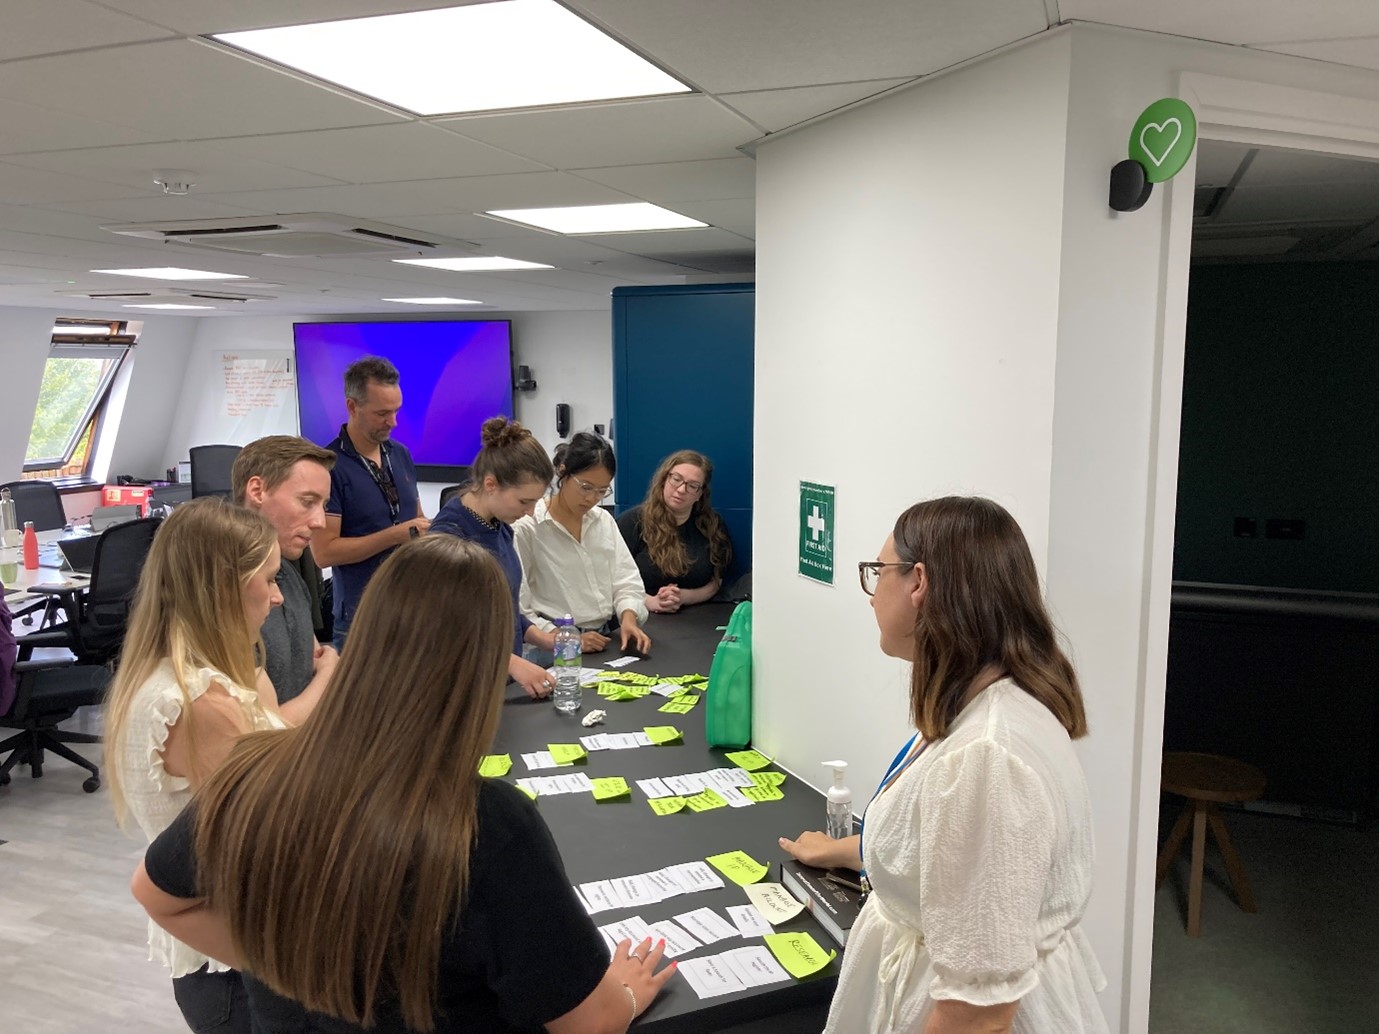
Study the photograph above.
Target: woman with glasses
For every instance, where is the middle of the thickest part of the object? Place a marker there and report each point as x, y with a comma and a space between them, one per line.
978, 843
574, 559
679, 543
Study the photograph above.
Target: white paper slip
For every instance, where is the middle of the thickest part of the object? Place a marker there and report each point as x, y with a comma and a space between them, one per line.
635, 890
622, 740
576, 783
707, 925
665, 884
633, 928
678, 941
585, 674
773, 901
529, 784
754, 965
748, 921
739, 777
734, 797
666, 689
622, 662
598, 741
582, 899
643, 740
538, 759
684, 785
695, 876
545, 786
709, 977
598, 895
608, 940
654, 788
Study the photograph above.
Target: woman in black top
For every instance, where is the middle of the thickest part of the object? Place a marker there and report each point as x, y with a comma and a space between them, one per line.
358, 889
680, 544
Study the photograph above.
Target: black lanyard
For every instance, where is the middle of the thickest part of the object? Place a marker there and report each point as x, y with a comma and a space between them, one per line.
388, 485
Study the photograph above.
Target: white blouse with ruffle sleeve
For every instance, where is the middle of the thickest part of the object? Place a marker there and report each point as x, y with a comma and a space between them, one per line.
980, 857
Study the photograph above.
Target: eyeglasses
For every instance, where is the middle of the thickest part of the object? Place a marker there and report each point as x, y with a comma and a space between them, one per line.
594, 490
692, 487
868, 571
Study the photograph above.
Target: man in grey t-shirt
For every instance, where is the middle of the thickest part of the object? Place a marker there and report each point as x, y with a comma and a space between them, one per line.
287, 479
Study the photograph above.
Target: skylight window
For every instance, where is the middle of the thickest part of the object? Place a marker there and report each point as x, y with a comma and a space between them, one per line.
481, 57
474, 264
582, 219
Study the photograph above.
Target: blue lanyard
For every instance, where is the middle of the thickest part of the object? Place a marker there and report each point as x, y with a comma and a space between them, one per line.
895, 764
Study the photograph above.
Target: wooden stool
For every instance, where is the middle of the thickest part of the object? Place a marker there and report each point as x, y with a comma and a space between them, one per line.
1207, 780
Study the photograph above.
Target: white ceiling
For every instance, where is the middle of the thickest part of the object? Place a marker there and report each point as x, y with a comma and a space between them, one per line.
95, 95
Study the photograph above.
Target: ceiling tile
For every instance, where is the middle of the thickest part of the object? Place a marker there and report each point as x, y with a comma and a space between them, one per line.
28, 127
23, 186
674, 242
375, 154
202, 17
1273, 167
1362, 52
1233, 21
154, 208
726, 46
54, 26
775, 110
181, 89
651, 131
736, 216
1289, 204
661, 184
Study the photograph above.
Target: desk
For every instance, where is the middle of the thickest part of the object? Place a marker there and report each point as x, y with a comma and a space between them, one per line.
599, 841
23, 578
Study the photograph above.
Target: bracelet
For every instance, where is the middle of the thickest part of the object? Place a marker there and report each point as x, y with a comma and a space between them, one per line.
633, 997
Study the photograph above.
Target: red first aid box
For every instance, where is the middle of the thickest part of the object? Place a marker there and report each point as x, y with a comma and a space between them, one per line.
127, 495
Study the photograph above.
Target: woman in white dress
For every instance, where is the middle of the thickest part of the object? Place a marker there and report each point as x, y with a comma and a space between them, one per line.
978, 843
186, 689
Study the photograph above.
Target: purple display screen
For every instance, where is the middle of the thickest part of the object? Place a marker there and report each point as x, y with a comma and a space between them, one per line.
454, 376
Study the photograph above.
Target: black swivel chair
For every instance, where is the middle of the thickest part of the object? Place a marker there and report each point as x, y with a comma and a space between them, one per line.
37, 501
47, 693
211, 469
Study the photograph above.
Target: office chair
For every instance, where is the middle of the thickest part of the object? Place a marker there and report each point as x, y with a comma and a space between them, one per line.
47, 693
449, 492
95, 619
211, 469
37, 501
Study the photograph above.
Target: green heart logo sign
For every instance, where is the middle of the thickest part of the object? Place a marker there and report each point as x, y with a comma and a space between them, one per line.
1163, 138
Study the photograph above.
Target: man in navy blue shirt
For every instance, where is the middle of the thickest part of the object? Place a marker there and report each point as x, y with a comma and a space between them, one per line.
373, 506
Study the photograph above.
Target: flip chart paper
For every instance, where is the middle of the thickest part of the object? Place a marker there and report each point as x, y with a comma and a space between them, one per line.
707, 925
773, 902
799, 953
661, 735
667, 805
767, 778
751, 760
705, 800
748, 920
757, 794
654, 788
738, 866
609, 787
494, 765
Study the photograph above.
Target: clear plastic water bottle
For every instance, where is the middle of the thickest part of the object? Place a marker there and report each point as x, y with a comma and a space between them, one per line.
569, 659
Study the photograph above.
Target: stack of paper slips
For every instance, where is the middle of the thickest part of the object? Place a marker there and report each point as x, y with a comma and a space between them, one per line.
648, 887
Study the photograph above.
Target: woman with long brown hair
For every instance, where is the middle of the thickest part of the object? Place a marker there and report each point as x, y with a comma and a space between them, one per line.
978, 843
358, 868
680, 544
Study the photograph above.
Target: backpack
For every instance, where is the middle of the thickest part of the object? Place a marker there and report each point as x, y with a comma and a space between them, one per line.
728, 703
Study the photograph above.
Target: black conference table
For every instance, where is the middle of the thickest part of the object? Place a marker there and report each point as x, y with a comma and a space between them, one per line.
603, 840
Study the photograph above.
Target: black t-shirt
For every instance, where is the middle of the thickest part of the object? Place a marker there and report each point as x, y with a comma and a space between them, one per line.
525, 951
696, 544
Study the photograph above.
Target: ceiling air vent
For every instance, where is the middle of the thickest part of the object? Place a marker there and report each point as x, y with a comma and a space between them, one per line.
173, 295
306, 235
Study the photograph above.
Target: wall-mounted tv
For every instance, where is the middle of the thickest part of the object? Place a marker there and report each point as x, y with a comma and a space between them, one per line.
455, 374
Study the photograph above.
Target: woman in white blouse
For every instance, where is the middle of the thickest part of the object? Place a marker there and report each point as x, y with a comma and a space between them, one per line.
978, 843
574, 559
186, 689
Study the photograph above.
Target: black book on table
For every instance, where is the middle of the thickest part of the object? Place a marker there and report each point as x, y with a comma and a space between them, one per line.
834, 906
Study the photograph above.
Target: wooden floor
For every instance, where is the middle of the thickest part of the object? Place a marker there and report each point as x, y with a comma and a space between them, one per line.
73, 952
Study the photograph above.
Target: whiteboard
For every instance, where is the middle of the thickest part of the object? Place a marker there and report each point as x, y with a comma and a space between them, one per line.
245, 394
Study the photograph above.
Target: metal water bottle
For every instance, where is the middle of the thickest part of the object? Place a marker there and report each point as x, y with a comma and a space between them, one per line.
10, 532
30, 547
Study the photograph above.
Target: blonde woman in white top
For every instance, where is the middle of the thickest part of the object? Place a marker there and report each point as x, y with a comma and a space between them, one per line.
574, 558
186, 689
978, 844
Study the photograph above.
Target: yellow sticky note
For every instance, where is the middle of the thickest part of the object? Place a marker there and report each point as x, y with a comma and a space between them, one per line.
799, 953
738, 866
680, 705
566, 753
666, 805
705, 800
751, 760
768, 778
494, 765
758, 794
609, 787
663, 734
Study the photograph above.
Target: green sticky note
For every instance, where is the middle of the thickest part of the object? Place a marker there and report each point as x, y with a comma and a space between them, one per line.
663, 734
622, 694
607, 689
494, 765
738, 866
666, 805
680, 705
757, 794
799, 953
705, 800
609, 787
751, 760
528, 791
566, 753
768, 778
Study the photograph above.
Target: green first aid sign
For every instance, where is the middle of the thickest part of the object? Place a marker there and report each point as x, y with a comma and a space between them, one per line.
816, 531
1163, 138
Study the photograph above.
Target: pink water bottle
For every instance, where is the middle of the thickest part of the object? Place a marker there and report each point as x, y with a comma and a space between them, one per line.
30, 547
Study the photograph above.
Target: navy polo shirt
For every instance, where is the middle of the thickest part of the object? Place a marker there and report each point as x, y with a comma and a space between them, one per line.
358, 500
454, 519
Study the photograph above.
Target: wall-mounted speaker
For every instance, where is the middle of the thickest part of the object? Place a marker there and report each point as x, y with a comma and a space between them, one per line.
562, 419
524, 381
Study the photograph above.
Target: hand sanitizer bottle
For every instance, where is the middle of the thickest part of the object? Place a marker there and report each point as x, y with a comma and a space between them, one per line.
839, 802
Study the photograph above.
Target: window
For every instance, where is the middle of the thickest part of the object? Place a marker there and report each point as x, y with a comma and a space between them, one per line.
82, 362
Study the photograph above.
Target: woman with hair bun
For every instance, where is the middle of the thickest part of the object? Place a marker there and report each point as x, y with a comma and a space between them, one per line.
509, 476
679, 543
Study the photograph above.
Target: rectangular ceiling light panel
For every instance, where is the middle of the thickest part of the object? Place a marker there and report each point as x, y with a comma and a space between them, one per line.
475, 264
587, 219
171, 273
482, 57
